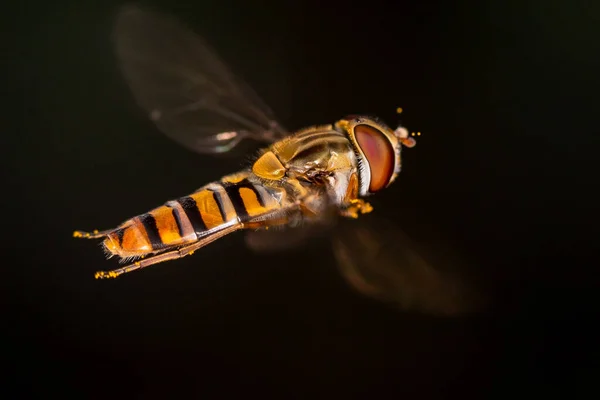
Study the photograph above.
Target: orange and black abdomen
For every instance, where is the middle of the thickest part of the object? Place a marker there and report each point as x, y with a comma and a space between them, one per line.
146, 233
190, 218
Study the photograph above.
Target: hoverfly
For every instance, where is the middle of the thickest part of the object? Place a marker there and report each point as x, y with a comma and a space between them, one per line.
301, 179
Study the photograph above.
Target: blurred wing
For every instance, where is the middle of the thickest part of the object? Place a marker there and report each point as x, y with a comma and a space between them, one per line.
286, 238
275, 240
186, 89
380, 261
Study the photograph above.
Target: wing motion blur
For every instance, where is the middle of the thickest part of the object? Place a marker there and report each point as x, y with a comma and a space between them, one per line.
380, 261
186, 89
286, 238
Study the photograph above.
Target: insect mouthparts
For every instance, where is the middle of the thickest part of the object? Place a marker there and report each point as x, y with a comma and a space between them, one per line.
402, 134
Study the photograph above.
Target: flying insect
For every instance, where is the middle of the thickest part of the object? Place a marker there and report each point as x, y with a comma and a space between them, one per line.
299, 179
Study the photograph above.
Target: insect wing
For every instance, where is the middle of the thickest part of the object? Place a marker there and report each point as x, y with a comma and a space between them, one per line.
286, 238
380, 261
277, 240
188, 92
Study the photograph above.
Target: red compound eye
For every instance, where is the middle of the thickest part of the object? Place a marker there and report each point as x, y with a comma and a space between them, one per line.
379, 154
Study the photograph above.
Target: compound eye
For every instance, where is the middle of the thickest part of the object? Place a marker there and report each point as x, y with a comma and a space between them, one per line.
379, 154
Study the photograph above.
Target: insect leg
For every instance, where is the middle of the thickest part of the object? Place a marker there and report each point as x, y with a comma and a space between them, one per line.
95, 234
169, 255
355, 207
352, 204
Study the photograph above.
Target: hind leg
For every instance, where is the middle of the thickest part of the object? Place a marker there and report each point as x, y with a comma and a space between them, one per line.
95, 234
168, 255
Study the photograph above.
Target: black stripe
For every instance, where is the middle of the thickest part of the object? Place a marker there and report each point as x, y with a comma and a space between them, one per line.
233, 191
249, 185
321, 147
193, 213
238, 203
152, 230
319, 135
217, 198
177, 218
119, 233
308, 151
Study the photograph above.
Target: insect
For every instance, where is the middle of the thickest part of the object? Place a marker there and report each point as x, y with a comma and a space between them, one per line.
300, 178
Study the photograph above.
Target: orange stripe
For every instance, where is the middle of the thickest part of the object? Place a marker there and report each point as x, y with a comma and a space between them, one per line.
235, 178
208, 207
135, 238
251, 203
167, 225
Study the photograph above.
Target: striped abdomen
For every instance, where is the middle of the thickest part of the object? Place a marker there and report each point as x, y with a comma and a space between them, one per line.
233, 201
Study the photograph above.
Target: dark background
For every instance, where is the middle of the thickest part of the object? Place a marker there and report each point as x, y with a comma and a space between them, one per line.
505, 95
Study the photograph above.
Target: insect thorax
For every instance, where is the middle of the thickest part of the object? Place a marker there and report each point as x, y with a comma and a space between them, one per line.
315, 155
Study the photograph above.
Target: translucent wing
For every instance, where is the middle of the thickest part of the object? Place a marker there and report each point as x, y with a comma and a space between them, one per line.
316, 227
380, 261
189, 93
275, 240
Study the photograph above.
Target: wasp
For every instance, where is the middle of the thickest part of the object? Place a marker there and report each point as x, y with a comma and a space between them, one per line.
299, 178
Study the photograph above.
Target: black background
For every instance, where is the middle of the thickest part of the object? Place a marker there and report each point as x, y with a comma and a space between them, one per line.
504, 94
